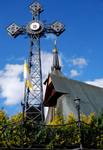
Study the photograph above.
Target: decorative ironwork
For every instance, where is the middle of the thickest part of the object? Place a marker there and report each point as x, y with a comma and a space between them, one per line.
36, 8
14, 30
33, 100
58, 27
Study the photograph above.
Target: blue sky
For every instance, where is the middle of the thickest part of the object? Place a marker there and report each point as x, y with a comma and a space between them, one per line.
80, 46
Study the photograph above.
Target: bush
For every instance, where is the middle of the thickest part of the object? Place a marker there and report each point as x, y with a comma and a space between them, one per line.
56, 134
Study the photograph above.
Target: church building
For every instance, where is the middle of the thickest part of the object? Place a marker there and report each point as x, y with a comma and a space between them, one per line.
61, 92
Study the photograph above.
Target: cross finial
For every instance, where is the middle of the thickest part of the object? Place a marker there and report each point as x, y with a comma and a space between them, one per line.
55, 42
55, 65
55, 50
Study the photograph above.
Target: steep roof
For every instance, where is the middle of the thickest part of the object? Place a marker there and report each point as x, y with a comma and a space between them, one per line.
89, 94
91, 97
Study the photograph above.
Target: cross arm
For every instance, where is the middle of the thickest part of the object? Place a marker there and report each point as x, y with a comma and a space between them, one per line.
14, 30
37, 28
56, 28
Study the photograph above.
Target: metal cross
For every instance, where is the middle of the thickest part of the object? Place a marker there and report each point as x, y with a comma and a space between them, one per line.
35, 29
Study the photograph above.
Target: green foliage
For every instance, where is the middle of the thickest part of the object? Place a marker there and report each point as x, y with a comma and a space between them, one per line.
16, 118
15, 134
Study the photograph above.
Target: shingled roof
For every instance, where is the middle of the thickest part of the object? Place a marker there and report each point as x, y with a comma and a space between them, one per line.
91, 96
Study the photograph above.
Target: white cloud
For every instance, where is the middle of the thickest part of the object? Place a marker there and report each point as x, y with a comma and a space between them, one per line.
46, 61
74, 73
11, 86
96, 82
80, 62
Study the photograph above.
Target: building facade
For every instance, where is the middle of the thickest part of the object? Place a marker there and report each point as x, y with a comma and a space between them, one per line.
61, 92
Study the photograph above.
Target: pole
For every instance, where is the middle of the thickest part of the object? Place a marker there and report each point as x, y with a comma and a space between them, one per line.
79, 125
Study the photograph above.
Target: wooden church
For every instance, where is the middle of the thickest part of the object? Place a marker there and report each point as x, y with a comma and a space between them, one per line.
60, 93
